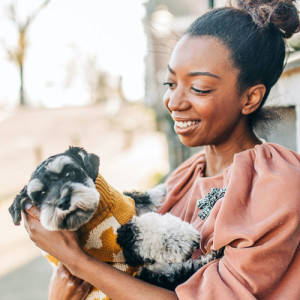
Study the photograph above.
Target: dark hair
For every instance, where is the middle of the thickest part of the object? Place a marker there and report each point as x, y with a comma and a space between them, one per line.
254, 32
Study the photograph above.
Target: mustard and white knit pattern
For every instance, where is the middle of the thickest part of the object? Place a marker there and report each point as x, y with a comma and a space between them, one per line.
98, 236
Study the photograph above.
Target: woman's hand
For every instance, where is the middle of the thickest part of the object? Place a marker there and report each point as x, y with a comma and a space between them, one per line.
63, 245
65, 286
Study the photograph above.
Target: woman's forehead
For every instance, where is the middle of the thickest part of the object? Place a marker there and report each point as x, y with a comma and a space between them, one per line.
203, 53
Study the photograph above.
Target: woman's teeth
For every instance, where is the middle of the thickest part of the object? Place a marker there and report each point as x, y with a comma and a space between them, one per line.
185, 124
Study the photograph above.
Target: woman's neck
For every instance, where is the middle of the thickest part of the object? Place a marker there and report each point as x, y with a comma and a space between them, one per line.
219, 157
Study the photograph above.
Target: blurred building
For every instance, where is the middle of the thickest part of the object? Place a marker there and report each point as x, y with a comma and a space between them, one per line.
164, 23
286, 95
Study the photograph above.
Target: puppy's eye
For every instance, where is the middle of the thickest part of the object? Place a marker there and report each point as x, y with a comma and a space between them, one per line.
70, 174
42, 194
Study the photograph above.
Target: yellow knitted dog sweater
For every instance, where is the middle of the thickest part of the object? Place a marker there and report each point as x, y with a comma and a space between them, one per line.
98, 236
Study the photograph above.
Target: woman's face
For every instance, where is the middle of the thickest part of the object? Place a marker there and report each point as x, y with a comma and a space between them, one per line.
202, 94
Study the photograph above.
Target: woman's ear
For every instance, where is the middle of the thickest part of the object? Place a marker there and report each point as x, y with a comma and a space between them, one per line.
253, 98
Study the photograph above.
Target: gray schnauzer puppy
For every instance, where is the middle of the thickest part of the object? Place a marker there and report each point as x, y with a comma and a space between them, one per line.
161, 245
63, 188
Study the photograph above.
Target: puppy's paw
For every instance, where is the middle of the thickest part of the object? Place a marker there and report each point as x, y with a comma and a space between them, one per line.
157, 194
154, 238
148, 201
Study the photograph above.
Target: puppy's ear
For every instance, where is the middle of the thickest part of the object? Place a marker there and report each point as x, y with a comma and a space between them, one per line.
91, 165
89, 161
16, 208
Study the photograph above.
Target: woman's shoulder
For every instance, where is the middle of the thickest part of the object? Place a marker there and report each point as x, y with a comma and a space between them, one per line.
262, 188
268, 154
269, 170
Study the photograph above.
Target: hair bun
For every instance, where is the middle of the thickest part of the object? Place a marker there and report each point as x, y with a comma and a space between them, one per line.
279, 14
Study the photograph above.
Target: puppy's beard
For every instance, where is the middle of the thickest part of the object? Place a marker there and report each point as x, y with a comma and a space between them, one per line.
83, 204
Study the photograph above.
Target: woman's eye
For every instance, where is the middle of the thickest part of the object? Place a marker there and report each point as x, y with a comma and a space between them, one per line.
201, 91
169, 84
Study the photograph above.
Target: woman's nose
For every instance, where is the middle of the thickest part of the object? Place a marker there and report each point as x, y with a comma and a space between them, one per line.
176, 100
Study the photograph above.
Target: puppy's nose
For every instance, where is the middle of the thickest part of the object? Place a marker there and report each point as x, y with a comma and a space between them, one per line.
64, 203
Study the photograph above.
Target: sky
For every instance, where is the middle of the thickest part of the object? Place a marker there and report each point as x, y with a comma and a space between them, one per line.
68, 43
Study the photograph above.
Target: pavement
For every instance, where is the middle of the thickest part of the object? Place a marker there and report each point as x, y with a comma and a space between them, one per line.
132, 156
24, 273
29, 282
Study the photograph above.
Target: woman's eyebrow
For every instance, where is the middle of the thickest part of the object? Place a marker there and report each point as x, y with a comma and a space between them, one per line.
171, 70
194, 74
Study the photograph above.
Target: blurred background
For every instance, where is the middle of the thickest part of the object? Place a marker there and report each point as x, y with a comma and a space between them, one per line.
89, 73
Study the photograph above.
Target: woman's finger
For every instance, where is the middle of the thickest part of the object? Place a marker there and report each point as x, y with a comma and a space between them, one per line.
65, 286
33, 226
32, 210
85, 287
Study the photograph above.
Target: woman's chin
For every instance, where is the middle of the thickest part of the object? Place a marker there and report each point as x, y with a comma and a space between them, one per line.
190, 142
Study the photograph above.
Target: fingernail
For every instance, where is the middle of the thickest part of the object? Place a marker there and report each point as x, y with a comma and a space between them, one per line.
28, 205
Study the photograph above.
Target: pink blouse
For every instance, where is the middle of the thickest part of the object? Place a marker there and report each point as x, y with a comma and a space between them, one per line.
257, 221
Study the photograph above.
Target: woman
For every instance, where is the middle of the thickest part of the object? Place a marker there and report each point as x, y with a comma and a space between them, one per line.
219, 76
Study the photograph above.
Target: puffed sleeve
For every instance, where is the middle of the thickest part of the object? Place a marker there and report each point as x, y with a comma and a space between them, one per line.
258, 224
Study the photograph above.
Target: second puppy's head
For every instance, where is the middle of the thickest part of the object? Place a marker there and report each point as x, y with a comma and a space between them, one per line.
63, 188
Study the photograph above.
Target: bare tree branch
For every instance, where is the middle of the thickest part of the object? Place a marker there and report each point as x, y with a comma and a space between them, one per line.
18, 53
35, 13
12, 14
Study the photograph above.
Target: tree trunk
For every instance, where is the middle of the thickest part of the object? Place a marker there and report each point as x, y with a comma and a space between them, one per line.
22, 97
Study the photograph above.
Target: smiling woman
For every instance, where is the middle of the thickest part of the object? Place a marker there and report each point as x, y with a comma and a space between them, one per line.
203, 98
219, 77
